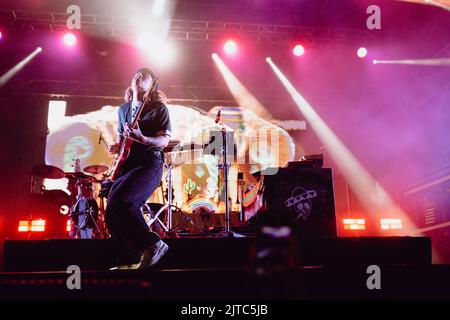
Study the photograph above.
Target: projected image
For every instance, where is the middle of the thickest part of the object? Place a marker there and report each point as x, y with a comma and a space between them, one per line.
85, 138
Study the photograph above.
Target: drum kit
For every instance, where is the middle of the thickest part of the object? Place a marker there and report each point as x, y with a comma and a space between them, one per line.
86, 218
87, 214
89, 189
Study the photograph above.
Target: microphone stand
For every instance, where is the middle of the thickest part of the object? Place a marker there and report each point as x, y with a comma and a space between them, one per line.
225, 165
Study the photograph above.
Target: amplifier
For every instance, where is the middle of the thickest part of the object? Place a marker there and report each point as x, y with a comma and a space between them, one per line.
301, 198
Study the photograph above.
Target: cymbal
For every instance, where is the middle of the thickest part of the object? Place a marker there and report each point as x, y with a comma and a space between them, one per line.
47, 171
96, 169
77, 175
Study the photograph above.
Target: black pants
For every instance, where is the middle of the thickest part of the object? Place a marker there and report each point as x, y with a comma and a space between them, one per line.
129, 231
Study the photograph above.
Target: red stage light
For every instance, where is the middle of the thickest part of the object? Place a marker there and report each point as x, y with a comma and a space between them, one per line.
391, 224
38, 225
69, 39
23, 226
32, 225
362, 52
354, 224
298, 50
230, 47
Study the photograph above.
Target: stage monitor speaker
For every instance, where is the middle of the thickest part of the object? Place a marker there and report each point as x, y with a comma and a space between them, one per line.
301, 198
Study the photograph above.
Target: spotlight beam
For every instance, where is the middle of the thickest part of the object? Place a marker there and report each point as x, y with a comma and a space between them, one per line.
242, 96
367, 189
14, 70
436, 3
423, 62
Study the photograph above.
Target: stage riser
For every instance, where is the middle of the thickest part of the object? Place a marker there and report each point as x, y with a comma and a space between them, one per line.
194, 253
397, 282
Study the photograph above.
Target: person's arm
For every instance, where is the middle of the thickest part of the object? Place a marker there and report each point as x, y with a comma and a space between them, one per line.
161, 139
114, 148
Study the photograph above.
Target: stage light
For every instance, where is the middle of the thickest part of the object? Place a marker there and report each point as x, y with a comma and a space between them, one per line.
12, 72
362, 52
32, 225
158, 8
298, 50
1, 34
390, 224
69, 39
38, 225
23, 226
160, 51
368, 190
242, 96
56, 114
422, 62
230, 47
354, 224
68, 226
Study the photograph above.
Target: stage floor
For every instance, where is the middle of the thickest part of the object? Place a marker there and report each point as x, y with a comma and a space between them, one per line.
397, 282
212, 253
224, 268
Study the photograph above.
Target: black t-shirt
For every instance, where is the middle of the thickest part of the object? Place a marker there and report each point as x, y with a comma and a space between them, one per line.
154, 118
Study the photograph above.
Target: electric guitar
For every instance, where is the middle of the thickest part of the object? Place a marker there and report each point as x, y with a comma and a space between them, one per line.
125, 147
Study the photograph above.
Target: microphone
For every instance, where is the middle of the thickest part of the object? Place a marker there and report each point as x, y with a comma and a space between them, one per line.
217, 117
100, 138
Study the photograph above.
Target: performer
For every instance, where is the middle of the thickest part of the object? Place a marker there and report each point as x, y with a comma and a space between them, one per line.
138, 247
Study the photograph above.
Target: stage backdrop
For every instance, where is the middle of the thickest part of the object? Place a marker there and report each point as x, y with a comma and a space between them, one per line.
196, 177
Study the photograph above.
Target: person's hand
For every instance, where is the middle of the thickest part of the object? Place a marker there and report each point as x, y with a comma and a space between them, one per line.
133, 134
114, 148
134, 82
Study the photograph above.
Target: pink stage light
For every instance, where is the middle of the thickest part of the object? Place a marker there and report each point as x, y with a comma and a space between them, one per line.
69, 39
362, 52
1, 34
230, 47
298, 50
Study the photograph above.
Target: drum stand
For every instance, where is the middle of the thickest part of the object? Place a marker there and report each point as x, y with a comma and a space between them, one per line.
87, 213
169, 206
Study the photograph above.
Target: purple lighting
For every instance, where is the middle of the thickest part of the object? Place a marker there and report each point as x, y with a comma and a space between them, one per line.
298, 50
69, 39
362, 52
230, 47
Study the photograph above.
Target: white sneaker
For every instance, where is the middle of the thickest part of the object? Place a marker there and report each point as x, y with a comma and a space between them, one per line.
152, 254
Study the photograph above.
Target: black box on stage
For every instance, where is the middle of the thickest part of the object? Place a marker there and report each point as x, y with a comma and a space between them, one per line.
302, 198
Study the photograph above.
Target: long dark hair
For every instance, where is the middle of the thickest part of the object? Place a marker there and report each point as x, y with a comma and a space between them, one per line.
153, 94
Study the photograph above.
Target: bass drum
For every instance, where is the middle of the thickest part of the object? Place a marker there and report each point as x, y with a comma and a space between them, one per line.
55, 202
85, 213
53, 206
